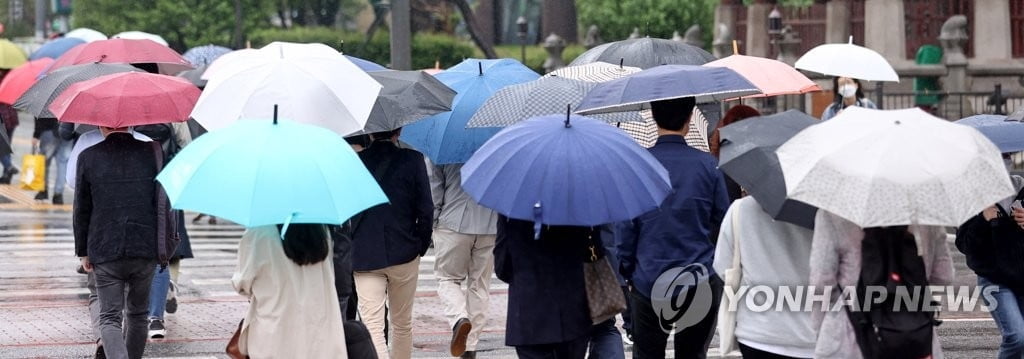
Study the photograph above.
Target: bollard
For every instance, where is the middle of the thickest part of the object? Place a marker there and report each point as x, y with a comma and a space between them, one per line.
554, 45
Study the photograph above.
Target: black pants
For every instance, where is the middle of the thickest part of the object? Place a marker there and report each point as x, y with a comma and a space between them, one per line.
575, 349
751, 353
649, 339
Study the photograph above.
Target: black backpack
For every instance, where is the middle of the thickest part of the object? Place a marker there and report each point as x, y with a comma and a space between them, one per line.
891, 330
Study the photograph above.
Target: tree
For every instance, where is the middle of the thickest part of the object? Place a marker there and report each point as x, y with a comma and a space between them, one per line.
654, 18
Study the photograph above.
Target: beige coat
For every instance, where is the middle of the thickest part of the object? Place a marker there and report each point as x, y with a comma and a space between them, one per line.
293, 310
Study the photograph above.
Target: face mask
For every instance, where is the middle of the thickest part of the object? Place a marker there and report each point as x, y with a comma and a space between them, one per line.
848, 91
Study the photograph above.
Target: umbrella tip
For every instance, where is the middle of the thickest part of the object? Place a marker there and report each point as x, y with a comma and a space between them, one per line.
851, 39
897, 122
480, 66
275, 114
735, 47
568, 113
622, 60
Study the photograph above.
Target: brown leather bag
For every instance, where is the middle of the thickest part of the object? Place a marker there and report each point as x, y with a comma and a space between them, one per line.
232, 350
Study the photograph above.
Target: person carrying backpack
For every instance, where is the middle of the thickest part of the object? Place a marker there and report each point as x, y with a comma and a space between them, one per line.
844, 255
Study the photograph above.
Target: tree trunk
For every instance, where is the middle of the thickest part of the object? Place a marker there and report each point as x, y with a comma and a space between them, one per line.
559, 17
474, 29
238, 37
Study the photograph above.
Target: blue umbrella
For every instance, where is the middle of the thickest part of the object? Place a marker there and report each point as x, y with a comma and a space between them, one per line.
1007, 134
444, 137
560, 170
204, 55
366, 65
259, 173
636, 91
55, 48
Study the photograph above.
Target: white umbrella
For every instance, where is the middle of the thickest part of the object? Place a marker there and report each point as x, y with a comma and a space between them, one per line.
847, 60
86, 34
140, 35
886, 168
244, 58
224, 62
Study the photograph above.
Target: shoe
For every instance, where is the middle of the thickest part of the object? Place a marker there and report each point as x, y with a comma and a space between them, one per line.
172, 300
156, 329
58, 199
469, 354
81, 270
460, 332
100, 354
42, 196
8, 175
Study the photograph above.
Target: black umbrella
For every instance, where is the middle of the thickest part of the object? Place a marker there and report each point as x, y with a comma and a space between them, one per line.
406, 97
195, 76
36, 101
748, 156
645, 53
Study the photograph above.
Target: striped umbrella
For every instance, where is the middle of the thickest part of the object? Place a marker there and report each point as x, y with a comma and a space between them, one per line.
36, 101
544, 96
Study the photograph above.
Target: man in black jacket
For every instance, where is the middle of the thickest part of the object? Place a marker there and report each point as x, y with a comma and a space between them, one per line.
115, 224
389, 239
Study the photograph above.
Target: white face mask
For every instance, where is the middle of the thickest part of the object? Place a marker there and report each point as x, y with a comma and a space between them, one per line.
848, 90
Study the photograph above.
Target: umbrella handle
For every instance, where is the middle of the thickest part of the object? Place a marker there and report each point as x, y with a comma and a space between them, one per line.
568, 113
536, 220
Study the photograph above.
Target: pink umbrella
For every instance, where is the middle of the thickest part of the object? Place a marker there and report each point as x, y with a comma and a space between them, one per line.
20, 79
124, 51
772, 77
127, 99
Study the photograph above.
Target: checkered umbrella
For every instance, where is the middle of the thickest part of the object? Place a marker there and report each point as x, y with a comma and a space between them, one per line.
544, 96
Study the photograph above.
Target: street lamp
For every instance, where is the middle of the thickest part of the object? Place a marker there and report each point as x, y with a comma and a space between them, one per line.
522, 26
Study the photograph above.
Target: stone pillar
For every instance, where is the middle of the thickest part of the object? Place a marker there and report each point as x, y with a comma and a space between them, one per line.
884, 29
953, 39
722, 46
992, 29
837, 21
554, 45
757, 28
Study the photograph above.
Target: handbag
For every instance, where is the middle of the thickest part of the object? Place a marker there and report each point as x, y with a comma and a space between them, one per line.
727, 318
605, 298
233, 350
33, 172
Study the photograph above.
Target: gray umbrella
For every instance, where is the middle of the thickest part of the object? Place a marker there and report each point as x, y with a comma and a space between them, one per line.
645, 53
544, 96
407, 97
195, 76
37, 99
748, 156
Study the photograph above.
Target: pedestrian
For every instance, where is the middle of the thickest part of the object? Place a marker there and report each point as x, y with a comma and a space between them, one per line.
836, 263
679, 235
46, 140
289, 281
9, 118
993, 242
115, 228
774, 254
548, 315
464, 236
735, 114
846, 92
388, 241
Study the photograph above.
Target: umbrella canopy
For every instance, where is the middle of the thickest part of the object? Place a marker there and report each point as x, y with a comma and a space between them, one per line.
259, 173
544, 96
310, 83
195, 76
224, 61
20, 79
595, 72
772, 77
847, 60
124, 51
444, 137
36, 101
204, 55
888, 168
366, 65
53, 49
407, 97
635, 92
126, 99
140, 35
545, 170
645, 53
87, 34
1006, 134
748, 157
11, 55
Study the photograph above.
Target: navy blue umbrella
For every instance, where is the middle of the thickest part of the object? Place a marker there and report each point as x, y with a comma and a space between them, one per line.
55, 48
666, 82
565, 170
1007, 133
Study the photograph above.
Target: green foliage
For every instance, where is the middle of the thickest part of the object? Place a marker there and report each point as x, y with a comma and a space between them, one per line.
654, 18
535, 55
22, 27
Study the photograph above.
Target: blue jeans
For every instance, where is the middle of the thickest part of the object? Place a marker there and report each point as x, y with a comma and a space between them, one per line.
606, 341
57, 152
158, 292
1009, 318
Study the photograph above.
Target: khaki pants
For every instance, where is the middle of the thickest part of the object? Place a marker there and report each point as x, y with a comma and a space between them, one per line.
464, 258
397, 285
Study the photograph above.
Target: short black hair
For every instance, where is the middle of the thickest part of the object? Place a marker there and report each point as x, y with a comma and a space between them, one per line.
673, 114
305, 243
362, 140
385, 135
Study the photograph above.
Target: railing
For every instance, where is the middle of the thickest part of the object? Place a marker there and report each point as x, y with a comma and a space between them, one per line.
951, 105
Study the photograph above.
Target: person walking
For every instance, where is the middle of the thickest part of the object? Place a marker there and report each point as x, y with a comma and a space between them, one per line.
9, 118
45, 138
679, 235
388, 241
464, 242
735, 114
289, 281
115, 229
846, 92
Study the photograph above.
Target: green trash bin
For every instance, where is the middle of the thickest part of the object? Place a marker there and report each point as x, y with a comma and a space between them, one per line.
927, 88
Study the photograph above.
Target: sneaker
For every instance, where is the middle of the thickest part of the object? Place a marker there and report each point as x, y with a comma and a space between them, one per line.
8, 175
42, 196
100, 354
469, 354
156, 329
460, 332
81, 270
58, 199
172, 299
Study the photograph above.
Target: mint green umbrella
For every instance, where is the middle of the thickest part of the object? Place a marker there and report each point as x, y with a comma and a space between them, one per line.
259, 173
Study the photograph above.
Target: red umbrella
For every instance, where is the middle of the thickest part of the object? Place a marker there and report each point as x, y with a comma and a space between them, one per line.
20, 79
125, 51
126, 99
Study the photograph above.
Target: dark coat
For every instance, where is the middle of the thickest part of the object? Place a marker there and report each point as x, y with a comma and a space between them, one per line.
399, 231
115, 211
994, 249
547, 298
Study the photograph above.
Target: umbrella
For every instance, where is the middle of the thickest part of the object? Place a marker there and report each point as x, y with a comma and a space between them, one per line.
772, 77
259, 173
546, 170
20, 79
140, 35
195, 76
366, 65
544, 96
11, 55
1005, 133
36, 101
311, 83
595, 72
444, 137
635, 92
847, 60
406, 97
126, 99
204, 55
887, 168
748, 157
224, 61
124, 51
87, 34
55, 48
434, 70
645, 53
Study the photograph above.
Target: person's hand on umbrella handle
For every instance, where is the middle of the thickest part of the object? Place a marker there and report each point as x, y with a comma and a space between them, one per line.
1018, 216
86, 264
990, 213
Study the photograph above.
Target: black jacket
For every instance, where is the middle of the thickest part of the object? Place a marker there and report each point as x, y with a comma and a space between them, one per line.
115, 211
547, 298
399, 231
994, 250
